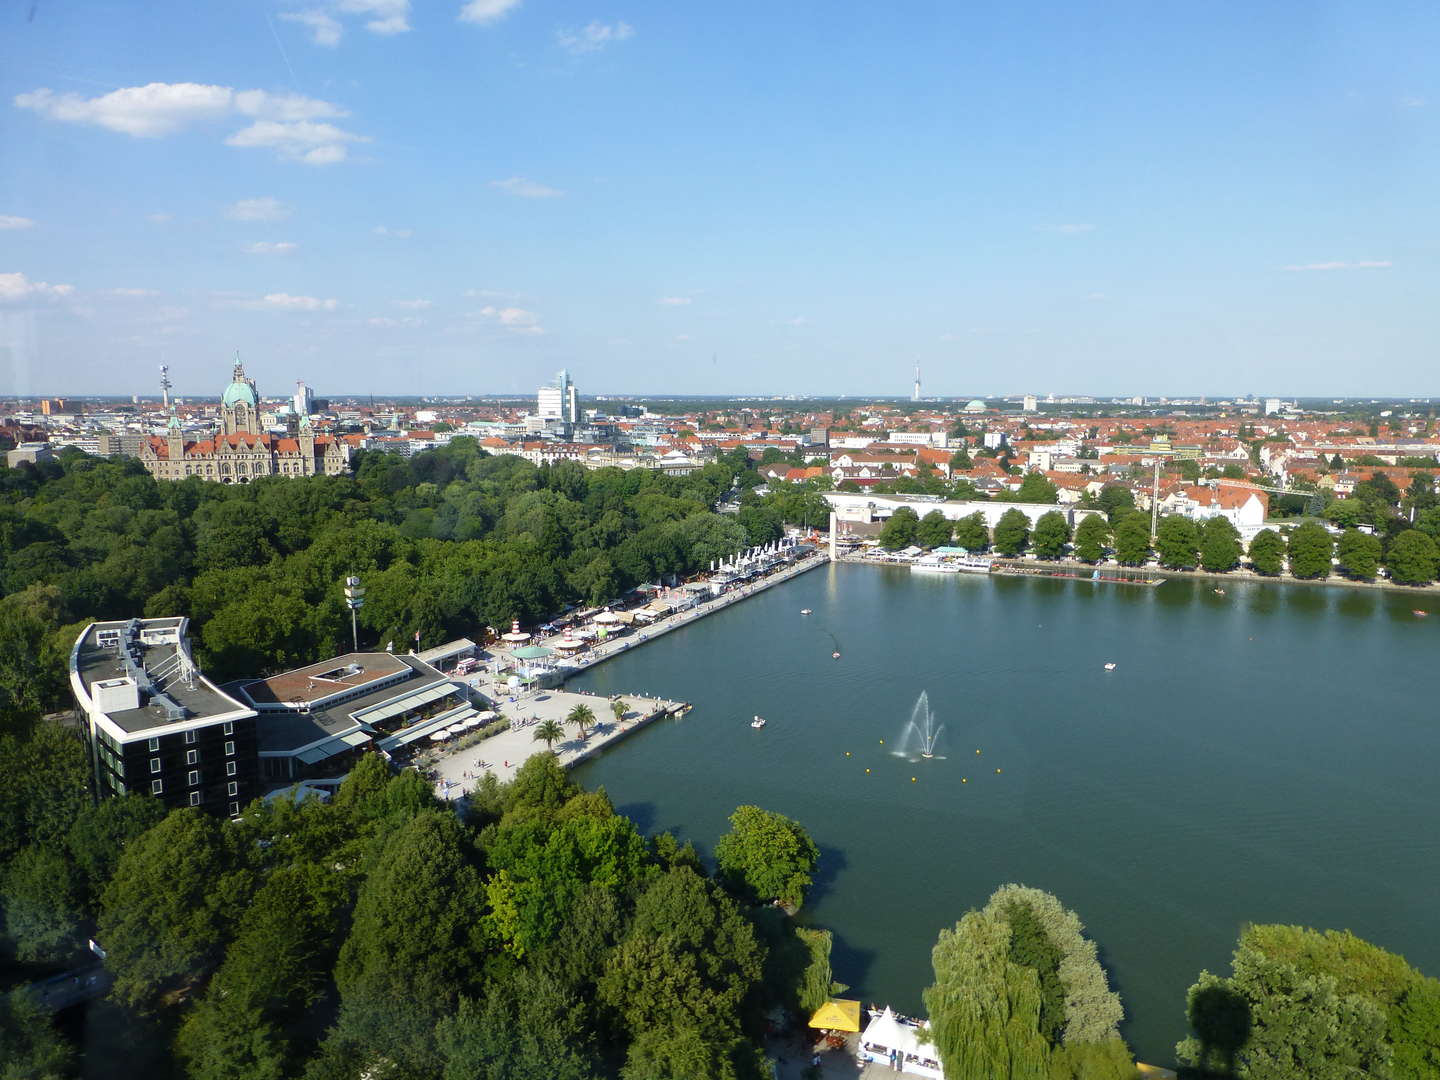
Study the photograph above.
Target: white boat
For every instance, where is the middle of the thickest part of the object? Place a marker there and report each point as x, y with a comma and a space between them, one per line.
758, 722
952, 564
1110, 666
805, 611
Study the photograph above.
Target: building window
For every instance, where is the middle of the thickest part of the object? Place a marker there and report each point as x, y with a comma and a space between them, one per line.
194, 798
193, 778
229, 749
154, 744
154, 764
190, 736
234, 809
156, 787
229, 768
192, 756
229, 728
232, 788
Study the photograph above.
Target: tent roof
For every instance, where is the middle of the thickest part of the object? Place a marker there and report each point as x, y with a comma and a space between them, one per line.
531, 652
885, 1030
837, 1014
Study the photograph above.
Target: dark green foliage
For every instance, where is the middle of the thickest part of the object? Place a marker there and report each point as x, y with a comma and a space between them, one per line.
1116, 500
1310, 549
528, 1027
1415, 1031
1132, 540
1030, 947
1092, 536
934, 530
101, 833
42, 900
971, 533
1413, 558
1177, 542
900, 530
1219, 545
30, 1047
167, 913
1359, 554
1052, 534
1037, 488
1267, 552
766, 856
1012, 533
43, 777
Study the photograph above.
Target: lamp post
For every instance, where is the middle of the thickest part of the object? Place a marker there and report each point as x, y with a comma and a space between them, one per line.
355, 599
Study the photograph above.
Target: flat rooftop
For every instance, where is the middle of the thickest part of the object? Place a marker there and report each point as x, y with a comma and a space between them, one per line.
319, 681
156, 641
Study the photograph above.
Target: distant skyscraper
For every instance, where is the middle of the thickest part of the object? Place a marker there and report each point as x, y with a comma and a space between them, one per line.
915, 394
1030, 403
304, 400
558, 402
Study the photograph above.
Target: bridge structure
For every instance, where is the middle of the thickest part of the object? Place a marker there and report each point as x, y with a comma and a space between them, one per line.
71, 987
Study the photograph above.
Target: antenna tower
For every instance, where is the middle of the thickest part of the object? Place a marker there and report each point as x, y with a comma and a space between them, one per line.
165, 384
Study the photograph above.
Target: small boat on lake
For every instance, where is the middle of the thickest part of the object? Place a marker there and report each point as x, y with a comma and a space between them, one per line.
1110, 666
1418, 613
805, 611
758, 722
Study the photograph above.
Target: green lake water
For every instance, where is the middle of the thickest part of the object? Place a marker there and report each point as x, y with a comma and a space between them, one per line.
1270, 755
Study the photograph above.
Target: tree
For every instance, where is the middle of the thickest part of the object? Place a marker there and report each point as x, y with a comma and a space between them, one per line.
30, 1047
1052, 533
1346, 513
1267, 552
1310, 549
766, 856
1359, 554
43, 904
1012, 533
900, 530
1413, 558
103, 831
1177, 542
934, 530
1219, 545
971, 533
619, 708
166, 915
1132, 540
526, 1027
581, 716
960, 460
1036, 487
1091, 537
549, 732
1116, 500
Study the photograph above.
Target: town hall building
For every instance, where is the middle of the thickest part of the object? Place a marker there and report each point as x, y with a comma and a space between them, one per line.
239, 450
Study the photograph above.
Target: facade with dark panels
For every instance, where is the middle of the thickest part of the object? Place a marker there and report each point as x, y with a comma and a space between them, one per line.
154, 723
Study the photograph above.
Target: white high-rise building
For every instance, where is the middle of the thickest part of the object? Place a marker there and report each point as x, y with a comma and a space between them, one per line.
915, 394
558, 402
304, 400
1030, 403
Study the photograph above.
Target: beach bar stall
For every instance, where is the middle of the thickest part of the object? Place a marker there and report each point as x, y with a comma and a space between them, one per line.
889, 1040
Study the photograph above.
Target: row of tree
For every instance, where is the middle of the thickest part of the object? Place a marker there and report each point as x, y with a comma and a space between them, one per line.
379, 934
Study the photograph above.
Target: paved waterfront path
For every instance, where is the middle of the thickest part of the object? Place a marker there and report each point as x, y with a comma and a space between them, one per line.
459, 771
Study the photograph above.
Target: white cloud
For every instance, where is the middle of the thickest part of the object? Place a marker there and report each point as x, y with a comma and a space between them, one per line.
398, 234
286, 302
324, 28
1363, 264
298, 140
389, 322
387, 17
270, 247
158, 218
516, 320
526, 189
486, 11
10, 221
264, 209
285, 123
1067, 230
594, 36
414, 305
134, 293
17, 289
675, 301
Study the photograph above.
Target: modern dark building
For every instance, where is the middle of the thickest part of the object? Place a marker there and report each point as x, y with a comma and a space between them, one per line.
155, 724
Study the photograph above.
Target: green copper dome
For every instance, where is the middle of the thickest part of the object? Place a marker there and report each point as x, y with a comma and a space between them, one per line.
238, 393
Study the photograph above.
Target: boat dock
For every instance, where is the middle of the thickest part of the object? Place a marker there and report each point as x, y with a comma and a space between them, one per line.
1110, 575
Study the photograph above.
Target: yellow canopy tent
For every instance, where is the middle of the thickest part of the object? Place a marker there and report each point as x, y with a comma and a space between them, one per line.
837, 1014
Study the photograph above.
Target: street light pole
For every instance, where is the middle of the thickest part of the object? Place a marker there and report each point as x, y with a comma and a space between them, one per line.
355, 599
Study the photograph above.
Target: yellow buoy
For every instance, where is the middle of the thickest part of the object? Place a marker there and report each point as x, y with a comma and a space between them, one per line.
912, 779
964, 779
847, 753
882, 742
977, 750
997, 772
867, 770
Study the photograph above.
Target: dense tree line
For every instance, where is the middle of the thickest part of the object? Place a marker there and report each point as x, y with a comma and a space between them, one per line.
446, 542
379, 934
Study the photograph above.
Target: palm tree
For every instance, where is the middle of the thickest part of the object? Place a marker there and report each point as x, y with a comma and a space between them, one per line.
619, 708
548, 731
581, 716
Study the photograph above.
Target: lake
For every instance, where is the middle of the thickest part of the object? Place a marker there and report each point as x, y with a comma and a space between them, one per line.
1263, 756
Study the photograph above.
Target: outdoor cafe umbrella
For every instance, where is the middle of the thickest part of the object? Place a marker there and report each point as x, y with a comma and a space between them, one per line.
439, 736
837, 1014
532, 652
607, 616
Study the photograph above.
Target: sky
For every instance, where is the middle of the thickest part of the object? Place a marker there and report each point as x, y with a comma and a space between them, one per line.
463, 196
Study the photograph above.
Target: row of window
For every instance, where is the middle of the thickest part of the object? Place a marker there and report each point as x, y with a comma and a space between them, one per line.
157, 787
230, 768
193, 736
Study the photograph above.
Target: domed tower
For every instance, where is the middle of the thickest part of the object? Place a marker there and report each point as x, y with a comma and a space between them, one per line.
240, 407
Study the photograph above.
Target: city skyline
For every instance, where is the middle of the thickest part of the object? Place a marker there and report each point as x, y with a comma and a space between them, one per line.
464, 198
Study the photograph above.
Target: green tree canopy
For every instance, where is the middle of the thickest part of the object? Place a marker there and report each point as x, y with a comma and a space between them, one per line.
1219, 545
1412, 558
1132, 540
1267, 552
934, 530
1052, 534
1177, 542
1092, 536
1310, 548
900, 530
971, 532
1359, 554
766, 856
1012, 533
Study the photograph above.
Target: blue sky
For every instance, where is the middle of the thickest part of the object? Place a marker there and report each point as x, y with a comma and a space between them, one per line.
461, 196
